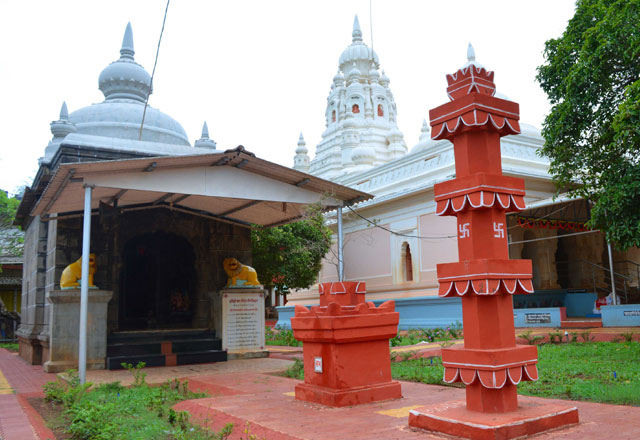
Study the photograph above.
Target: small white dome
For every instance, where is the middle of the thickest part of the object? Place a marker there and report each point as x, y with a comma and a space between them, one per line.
358, 52
125, 78
363, 156
126, 85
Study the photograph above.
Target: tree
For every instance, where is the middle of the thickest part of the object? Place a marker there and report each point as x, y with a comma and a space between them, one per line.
290, 256
11, 238
592, 78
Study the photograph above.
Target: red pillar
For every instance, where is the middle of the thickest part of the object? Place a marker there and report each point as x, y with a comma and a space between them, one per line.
490, 364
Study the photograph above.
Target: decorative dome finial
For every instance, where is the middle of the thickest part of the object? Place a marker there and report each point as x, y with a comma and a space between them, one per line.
124, 78
471, 54
64, 112
127, 44
424, 131
301, 159
357, 32
204, 141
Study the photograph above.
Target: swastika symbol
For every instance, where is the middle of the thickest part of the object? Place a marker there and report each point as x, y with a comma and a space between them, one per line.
498, 229
464, 230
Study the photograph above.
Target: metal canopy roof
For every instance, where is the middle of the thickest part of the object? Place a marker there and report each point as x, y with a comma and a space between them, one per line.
234, 186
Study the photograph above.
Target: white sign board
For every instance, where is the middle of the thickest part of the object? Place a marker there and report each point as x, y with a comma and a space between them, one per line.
242, 321
317, 364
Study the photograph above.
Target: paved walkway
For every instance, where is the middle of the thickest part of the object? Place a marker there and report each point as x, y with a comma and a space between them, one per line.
18, 380
268, 404
245, 391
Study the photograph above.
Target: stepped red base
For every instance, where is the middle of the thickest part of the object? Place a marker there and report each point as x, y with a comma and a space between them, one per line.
349, 396
532, 417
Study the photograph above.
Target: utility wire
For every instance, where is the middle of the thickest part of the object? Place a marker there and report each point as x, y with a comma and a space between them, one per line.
373, 223
153, 72
398, 233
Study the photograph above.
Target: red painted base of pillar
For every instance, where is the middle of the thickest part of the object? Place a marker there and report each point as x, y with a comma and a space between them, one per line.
350, 396
533, 416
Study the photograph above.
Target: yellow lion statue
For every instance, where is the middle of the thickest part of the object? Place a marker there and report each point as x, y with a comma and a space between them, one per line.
239, 274
73, 272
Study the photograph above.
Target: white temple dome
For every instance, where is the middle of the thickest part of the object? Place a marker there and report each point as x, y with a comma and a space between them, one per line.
125, 85
358, 52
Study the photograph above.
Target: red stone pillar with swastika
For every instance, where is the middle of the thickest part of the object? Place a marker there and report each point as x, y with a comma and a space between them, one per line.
490, 363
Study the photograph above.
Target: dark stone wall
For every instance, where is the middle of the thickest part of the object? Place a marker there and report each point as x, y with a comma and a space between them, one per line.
212, 242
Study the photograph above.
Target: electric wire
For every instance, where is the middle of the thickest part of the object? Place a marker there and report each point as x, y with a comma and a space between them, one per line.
153, 72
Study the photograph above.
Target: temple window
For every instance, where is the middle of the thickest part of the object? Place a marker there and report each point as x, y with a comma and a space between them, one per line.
355, 109
380, 110
407, 262
333, 116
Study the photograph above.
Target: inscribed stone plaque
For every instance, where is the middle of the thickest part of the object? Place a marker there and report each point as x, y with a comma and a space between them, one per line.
537, 318
242, 321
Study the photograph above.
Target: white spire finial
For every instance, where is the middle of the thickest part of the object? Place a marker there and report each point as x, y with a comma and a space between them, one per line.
471, 54
127, 43
204, 141
64, 113
424, 131
357, 32
301, 139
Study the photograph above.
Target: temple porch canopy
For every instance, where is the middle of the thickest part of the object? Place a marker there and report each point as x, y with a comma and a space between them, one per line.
234, 186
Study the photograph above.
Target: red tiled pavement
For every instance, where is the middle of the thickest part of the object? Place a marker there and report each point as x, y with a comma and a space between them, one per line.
18, 421
266, 402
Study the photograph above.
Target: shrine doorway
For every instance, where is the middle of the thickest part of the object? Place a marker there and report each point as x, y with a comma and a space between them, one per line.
157, 282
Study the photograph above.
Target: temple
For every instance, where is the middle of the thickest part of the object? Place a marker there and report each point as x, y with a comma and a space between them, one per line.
163, 215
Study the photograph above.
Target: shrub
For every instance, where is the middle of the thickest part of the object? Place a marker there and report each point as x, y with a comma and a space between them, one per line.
628, 336
587, 336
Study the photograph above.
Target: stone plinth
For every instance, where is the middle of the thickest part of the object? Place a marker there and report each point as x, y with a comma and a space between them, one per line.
532, 417
64, 328
346, 348
243, 322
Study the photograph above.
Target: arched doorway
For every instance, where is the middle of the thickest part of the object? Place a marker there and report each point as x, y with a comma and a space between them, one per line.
157, 282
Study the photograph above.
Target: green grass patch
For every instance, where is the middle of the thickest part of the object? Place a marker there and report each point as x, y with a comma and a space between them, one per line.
422, 370
597, 371
603, 372
416, 335
280, 336
11, 346
112, 411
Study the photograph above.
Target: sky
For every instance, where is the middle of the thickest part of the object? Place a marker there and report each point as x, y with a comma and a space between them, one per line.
257, 71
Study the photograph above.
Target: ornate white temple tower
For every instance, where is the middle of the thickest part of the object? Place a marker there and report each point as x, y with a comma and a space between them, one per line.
360, 118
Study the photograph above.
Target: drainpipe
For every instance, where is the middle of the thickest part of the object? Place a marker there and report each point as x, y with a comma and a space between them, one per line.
340, 245
613, 284
84, 287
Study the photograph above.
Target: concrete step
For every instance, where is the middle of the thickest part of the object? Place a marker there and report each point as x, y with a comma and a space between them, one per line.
159, 347
587, 323
161, 360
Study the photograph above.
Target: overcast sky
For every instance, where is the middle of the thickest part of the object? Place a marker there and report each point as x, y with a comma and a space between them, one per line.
257, 71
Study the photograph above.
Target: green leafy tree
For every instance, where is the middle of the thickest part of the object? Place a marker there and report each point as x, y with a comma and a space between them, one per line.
8, 208
290, 256
592, 78
11, 238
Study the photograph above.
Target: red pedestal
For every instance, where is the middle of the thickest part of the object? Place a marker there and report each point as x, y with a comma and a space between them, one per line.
490, 364
346, 347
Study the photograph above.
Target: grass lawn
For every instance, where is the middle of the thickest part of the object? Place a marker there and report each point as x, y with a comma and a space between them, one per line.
11, 346
606, 372
111, 411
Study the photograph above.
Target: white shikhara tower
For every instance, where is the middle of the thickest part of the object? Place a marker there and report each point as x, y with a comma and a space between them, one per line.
360, 118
